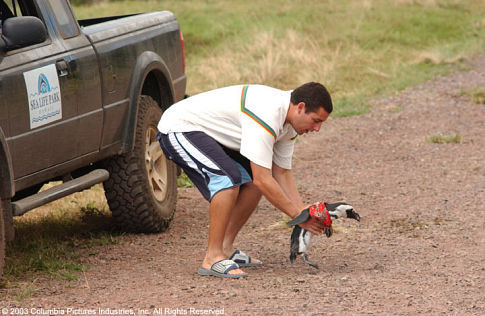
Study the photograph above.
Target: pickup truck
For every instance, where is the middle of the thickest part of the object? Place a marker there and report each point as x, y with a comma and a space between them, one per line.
79, 105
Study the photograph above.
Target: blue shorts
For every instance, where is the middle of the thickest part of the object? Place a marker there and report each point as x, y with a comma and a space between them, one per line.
208, 164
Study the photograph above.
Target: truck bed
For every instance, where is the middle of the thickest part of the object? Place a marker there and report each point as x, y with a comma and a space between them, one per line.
103, 28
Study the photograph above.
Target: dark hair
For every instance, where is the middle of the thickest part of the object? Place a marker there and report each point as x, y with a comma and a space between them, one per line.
314, 95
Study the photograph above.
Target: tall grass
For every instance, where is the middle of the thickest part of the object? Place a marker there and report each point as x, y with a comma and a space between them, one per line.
358, 49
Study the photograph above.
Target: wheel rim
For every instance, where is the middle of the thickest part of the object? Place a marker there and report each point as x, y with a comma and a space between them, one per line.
156, 165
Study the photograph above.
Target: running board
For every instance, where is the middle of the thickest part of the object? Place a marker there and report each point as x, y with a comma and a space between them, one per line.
21, 207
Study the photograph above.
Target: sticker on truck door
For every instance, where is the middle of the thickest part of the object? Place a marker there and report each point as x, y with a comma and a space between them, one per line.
44, 95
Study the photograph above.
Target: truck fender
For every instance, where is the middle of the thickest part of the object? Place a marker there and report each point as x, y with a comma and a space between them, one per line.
7, 185
146, 63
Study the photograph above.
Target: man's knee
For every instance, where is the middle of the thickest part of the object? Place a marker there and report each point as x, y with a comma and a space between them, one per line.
226, 195
252, 188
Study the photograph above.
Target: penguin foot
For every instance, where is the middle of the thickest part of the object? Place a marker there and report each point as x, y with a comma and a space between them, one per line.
305, 258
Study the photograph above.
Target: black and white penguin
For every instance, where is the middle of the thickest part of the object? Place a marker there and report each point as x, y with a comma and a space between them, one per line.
301, 238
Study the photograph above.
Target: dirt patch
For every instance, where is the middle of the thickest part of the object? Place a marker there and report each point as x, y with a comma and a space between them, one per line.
420, 247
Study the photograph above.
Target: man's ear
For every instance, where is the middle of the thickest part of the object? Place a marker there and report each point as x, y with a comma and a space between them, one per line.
301, 107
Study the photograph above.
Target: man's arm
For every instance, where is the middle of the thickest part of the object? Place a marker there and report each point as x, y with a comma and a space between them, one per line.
283, 195
271, 189
285, 179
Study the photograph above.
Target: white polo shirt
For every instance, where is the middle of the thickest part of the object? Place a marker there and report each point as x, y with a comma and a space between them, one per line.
247, 118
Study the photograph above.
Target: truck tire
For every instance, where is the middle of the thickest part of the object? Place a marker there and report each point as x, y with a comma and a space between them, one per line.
3, 241
8, 228
142, 188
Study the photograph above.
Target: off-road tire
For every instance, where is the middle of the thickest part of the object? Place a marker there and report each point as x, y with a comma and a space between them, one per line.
142, 188
3, 241
8, 228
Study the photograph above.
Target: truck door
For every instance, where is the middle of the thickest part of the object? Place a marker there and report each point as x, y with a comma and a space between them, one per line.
43, 91
80, 66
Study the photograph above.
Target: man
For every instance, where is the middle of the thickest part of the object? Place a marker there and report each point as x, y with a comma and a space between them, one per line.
236, 144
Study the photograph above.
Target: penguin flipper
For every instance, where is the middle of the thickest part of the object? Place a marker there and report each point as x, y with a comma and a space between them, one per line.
294, 245
301, 218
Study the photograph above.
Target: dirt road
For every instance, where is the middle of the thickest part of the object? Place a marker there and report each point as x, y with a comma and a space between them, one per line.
420, 247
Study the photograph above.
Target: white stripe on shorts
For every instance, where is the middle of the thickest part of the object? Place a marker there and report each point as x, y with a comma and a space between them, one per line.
182, 153
199, 156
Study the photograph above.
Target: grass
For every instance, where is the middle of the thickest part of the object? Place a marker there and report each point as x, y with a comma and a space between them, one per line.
25, 291
477, 95
445, 139
408, 226
51, 240
183, 181
359, 49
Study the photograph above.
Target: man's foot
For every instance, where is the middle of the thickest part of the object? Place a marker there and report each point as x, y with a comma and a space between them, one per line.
207, 264
222, 269
243, 260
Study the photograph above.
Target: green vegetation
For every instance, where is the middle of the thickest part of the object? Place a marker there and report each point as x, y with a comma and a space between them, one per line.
52, 239
408, 226
359, 49
183, 181
477, 95
444, 139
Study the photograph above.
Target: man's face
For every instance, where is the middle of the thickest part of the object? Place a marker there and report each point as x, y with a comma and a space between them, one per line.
308, 122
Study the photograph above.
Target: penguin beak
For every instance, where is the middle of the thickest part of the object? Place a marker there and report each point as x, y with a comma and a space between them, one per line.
353, 214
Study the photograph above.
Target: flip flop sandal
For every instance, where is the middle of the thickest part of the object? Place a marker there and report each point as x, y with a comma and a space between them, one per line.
243, 260
221, 268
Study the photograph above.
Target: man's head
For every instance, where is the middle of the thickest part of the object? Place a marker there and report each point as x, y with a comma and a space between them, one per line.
314, 95
310, 105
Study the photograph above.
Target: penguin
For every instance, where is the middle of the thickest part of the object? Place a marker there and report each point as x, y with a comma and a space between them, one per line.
300, 244
335, 210
301, 238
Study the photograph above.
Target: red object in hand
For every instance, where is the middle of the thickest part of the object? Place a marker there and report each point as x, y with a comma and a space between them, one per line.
320, 213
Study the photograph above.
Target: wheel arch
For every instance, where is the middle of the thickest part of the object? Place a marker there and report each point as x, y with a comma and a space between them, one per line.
7, 185
151, 77
7, 191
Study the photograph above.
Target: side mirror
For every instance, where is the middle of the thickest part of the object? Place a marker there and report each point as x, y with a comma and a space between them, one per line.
18, 32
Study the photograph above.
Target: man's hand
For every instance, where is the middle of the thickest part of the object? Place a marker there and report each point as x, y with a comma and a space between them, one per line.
313, 225
320, 216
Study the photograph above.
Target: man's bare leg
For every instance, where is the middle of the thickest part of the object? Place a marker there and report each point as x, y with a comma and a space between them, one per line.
220, 209
248, 199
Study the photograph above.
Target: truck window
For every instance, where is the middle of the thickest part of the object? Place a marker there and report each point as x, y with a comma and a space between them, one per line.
12, 8
5, 10
18, 31
66, 23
